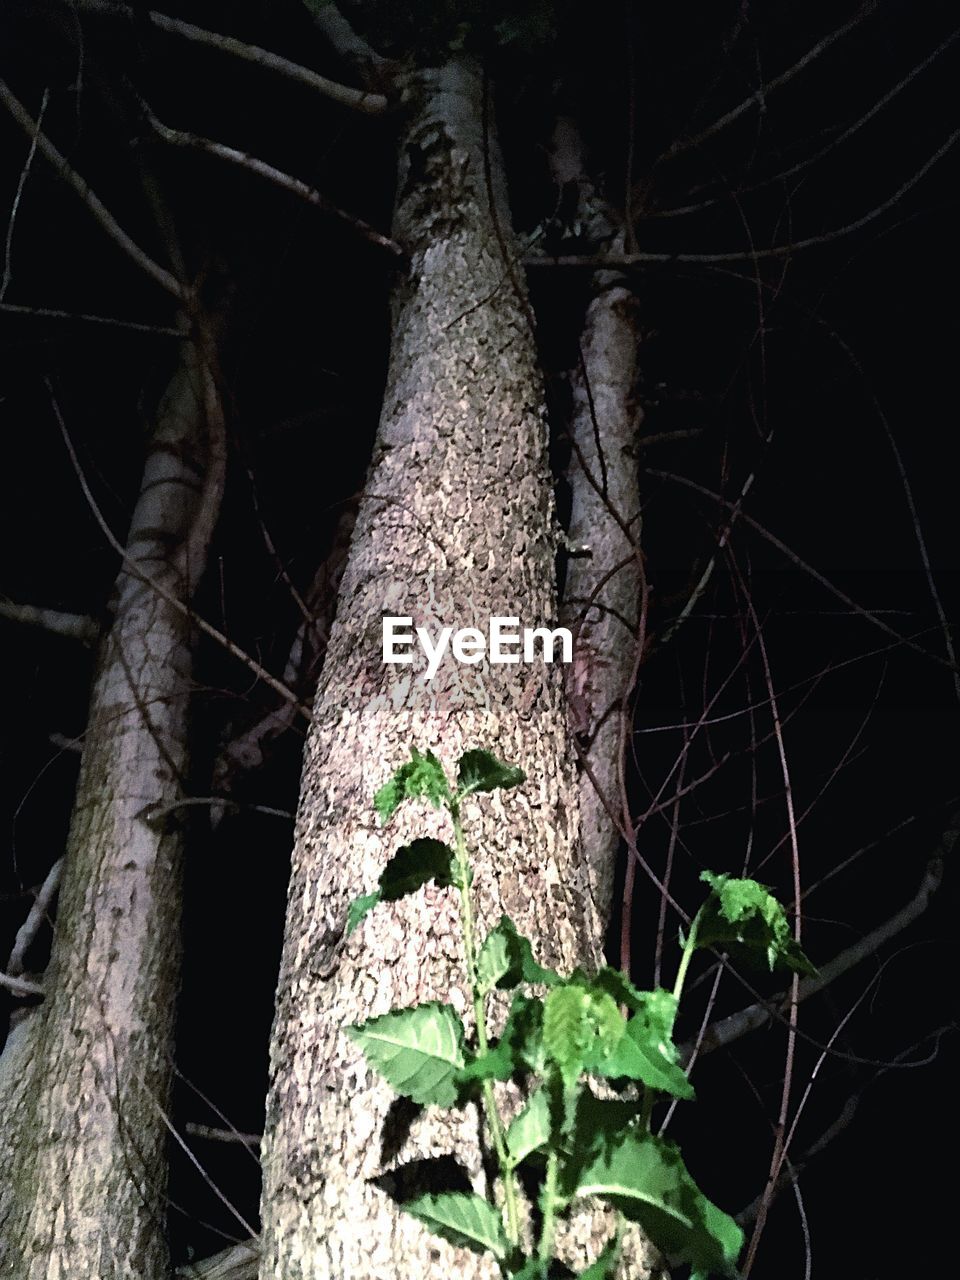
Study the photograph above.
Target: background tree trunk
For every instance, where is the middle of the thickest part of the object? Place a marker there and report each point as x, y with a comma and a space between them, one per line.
456, 525
603, 585
92, 1066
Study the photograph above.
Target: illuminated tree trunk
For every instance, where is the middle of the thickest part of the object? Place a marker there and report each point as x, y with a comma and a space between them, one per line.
456, 525
84, 1081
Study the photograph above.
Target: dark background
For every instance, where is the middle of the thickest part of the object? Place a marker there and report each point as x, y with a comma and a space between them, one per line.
817, 348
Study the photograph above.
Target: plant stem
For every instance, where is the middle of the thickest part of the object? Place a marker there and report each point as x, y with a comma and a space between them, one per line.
688, 949
549, 1207
489, 1098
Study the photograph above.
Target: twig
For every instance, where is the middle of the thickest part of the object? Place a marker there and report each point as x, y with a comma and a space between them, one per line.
35, 918
214, 1134
759, 96
18, 196
82, 188
611, 260
732, 1028
179, 138
358, 99
55, 313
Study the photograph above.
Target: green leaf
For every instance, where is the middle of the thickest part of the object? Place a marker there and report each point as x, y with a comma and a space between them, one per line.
418, 1051
482, 771
506, 959
532, 1269
581, 1028
619, 987
530, 1130
420, 776
605, 1264
744, 914
646, 1051
463, 1219
645, 1178
359, 907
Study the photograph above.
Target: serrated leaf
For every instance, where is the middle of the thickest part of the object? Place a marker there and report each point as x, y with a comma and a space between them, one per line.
645, 1178
581, 1028
422, 775
745, 914
481, 771
358, 908
646, 1051
529, 1130
619, 987
506, 959
418, 1051
463, 1219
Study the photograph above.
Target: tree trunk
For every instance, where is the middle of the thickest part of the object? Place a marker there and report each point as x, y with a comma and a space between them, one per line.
87, 1143
602, 591
456, 525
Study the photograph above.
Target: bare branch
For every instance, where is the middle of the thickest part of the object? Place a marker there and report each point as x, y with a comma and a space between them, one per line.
73, 626
82, 188
239, 1262
214, 1134
35, 918
599, 261
358, 99
759, 96
287, 182
757, 1015
351, 47
18, 196
20, 986
54, 313
808, 161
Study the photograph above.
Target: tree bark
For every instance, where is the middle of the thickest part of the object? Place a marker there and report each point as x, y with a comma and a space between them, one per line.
456, 525
90, 1071
602, 590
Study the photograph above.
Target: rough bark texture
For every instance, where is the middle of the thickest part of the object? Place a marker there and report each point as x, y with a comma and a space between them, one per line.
602, 592
91, 1067
456, 525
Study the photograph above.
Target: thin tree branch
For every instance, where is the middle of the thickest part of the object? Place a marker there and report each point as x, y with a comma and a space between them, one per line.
757, 1015
180, 138
351, 47
20, 986
16, 965
238, 1262
82, 188
621, 260
54, 313
18, 196
73, 626
214, 1134
759, 96
357, 99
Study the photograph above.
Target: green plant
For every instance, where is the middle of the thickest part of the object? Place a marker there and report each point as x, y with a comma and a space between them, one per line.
581, 1026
